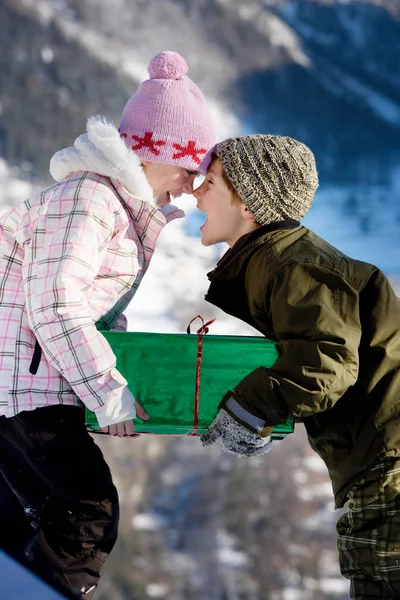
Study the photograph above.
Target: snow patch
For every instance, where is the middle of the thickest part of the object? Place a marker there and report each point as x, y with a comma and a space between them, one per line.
386, 108
314, 463
226, 552
156, 590
148, 522
314, 491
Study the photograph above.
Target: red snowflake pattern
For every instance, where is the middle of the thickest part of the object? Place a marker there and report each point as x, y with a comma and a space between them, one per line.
189, 150
147, 142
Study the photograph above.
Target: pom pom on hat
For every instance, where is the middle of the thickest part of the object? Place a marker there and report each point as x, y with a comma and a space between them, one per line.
167, 65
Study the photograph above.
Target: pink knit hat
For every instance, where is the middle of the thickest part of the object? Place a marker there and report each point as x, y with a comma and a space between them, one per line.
167, 120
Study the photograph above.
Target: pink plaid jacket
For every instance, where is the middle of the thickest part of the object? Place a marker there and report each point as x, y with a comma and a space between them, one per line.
70, 257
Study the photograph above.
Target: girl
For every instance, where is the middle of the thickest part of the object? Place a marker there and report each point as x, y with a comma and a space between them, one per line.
71, 259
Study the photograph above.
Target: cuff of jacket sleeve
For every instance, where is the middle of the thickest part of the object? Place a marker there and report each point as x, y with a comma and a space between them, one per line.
117, 409
243, 416
171, 212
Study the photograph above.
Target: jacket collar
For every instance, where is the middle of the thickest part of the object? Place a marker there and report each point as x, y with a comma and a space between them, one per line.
248, 240
101, 150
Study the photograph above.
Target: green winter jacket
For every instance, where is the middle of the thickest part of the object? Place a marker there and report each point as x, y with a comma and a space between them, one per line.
337, 324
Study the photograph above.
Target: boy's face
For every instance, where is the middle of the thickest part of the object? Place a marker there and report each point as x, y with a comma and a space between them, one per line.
227, 220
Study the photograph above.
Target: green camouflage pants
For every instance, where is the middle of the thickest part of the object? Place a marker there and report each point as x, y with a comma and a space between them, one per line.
369, 533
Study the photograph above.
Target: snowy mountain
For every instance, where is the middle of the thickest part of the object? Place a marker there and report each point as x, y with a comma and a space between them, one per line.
324, 71
198, 525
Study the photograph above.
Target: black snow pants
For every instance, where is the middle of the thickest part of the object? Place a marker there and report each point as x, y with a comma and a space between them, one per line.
58, 505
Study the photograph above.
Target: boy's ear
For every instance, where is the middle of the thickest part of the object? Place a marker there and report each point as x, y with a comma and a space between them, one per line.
246, 214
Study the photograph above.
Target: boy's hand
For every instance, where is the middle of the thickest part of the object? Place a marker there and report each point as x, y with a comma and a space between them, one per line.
127, 428
234, 437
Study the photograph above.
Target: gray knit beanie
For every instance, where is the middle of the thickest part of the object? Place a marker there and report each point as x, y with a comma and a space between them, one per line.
274, 176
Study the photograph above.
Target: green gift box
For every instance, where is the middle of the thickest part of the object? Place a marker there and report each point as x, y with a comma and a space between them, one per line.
180, 379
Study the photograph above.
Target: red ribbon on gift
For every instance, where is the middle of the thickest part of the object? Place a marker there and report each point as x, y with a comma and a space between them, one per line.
200, 332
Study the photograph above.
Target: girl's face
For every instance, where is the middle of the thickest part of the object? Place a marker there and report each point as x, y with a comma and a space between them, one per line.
169, 179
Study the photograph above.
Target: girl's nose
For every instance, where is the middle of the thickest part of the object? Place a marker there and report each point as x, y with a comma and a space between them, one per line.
187, 187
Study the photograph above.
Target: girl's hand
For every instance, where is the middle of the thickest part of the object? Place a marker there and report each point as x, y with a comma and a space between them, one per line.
127, 428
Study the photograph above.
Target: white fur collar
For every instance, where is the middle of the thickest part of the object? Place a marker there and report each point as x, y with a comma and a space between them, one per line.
101, 150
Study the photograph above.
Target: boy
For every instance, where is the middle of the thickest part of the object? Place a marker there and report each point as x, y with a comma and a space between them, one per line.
337, 324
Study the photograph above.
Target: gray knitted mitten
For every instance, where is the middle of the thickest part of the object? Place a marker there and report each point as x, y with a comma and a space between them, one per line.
234, 437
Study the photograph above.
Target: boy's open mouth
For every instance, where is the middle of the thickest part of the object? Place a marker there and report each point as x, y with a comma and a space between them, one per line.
205, 222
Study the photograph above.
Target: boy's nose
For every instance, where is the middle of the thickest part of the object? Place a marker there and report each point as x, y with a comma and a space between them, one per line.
197, 194
198, 191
